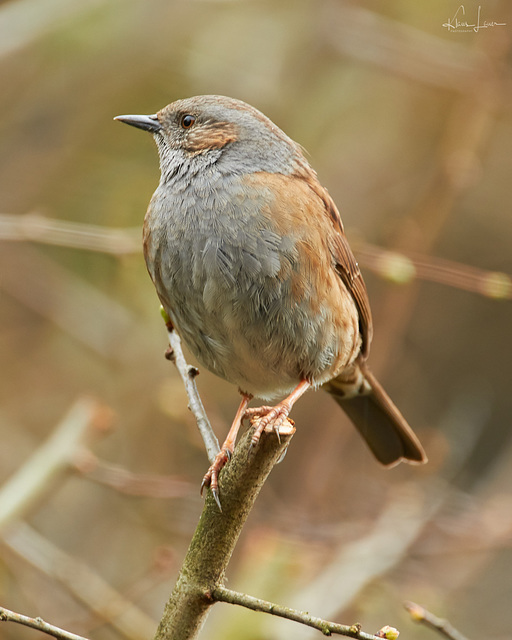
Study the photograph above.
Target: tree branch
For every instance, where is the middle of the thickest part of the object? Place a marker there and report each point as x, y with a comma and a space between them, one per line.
122, 480
420, 614
35, 227
38, 623
33, 481
80, 580
53, 458
221, 594
397, 266
217, 533
188, 374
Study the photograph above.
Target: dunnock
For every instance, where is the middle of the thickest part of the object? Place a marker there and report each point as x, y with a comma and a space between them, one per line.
249, 259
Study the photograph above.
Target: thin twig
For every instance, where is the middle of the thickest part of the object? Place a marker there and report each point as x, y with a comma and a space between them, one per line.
403, 268
80, 309
6, 615
399, 267
47, 464
29, 484
422, 615
188, 374
80, 580
134, 484
383, 546
35, 227
221, 594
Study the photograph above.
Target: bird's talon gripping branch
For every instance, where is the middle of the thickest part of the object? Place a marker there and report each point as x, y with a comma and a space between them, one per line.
211, 477
264, 417
257, 412
254, 442
215, 495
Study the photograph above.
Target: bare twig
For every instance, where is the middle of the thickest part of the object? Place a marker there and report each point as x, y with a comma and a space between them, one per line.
221, 594
188, 374
79, 580
37, 228
399, 267
78, 308
33, 480
216, 535
6, 615
135, 484
372, 555
46, 465
403, 268
420, 614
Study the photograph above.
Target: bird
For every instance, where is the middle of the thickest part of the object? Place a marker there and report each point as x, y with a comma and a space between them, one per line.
249, 258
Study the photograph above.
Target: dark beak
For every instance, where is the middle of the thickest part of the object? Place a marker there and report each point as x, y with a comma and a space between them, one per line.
148, 123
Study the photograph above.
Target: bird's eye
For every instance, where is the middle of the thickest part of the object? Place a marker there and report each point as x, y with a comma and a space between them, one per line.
187, 121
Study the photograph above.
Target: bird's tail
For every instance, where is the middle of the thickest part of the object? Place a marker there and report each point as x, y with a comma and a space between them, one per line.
375, 416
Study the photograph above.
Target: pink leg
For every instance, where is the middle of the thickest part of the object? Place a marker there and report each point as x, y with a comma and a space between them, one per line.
276, 415
211, 478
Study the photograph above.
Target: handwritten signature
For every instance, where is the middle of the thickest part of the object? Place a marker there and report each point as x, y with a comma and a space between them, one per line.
460, 24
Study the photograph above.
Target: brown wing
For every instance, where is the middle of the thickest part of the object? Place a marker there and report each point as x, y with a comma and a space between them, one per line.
346, 266
294, 201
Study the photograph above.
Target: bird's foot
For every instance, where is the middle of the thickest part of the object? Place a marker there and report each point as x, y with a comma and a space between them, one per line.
267, 418
211, 477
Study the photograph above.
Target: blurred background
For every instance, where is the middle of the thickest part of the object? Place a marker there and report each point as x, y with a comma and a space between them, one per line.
406, 115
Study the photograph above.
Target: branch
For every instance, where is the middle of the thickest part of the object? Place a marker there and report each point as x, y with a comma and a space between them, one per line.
46, 465
188, 374
80, 309
35, 227
402, 268
396, 266
221, 594
37, 623
383, 546
420, 614
80, 580
124, 481
217, 533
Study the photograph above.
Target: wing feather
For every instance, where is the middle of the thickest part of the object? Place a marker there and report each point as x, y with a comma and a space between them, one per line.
346, 265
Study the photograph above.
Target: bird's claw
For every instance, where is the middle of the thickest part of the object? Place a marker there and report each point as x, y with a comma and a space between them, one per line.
264, 417
211, 477
215, 495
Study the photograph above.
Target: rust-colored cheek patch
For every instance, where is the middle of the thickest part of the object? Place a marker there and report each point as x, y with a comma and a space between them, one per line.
211, 136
